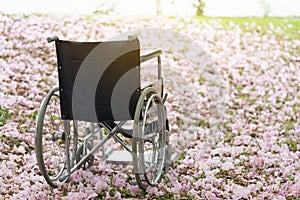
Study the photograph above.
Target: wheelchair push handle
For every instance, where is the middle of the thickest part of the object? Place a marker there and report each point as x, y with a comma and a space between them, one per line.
52, 39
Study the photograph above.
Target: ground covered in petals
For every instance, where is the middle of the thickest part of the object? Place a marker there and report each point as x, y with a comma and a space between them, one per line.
255, 150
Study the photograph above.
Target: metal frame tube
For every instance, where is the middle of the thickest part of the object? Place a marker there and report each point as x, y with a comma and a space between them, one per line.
120, 140
151, 55
123, 143
67, 144
101, 143
159, 67
155, 54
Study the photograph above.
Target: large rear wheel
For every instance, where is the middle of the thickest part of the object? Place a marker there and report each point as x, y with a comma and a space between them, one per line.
149, 138
55, 143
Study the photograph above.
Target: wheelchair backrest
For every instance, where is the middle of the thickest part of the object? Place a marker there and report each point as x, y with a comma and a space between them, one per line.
98, 81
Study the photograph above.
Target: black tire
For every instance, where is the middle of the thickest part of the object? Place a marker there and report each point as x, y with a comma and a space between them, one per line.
149, 139
51, 142
49, 139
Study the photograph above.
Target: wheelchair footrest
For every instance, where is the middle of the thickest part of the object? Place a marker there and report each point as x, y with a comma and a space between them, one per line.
119, 157
123, 157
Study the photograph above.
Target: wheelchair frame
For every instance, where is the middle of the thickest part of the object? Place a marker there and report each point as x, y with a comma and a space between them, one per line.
144, 133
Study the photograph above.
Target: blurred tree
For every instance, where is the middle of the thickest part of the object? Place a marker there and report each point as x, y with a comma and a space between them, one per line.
199, 5
158, 7
266, 7
105, 8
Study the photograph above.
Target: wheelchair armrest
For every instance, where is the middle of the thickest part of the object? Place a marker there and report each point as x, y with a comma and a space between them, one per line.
151, 55
52, 39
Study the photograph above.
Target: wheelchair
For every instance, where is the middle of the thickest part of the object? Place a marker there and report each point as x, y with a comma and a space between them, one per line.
100, 95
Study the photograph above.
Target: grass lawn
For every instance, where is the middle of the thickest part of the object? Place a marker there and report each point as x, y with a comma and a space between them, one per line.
279, 26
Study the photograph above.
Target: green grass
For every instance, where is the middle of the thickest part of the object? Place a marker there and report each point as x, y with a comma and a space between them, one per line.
290, 26
4, 114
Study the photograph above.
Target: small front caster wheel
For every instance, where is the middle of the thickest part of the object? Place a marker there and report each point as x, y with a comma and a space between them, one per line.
82, 151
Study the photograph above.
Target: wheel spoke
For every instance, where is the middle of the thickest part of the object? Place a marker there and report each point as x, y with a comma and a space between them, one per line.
149, 138
50, 140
